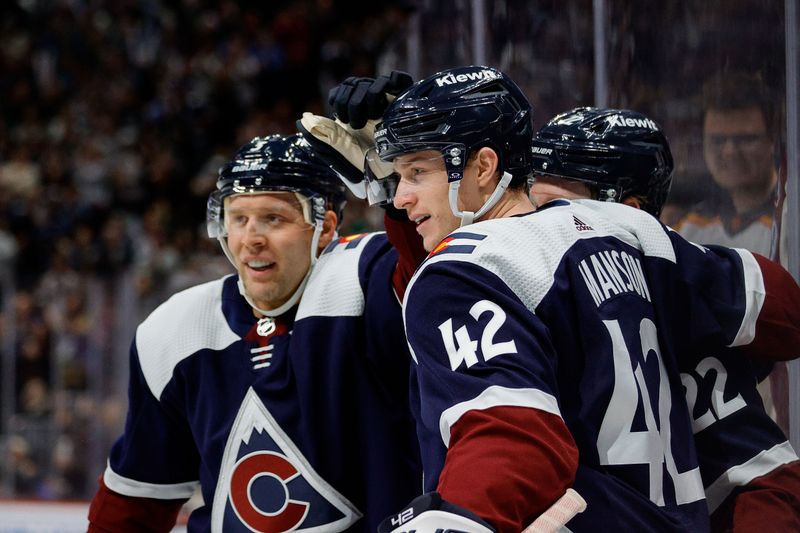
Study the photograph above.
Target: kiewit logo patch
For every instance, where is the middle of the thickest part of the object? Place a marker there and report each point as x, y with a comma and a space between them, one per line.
450, 79
266, 484
622, 122
580, 225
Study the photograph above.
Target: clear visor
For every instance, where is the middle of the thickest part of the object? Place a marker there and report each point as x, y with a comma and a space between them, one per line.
270, 218
385, 167
380, 178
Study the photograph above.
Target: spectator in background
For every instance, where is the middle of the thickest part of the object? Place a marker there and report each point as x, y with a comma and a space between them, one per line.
739, 141
739, 150
727, 413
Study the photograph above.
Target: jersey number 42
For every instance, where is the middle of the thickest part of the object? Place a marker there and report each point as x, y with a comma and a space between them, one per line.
618, 443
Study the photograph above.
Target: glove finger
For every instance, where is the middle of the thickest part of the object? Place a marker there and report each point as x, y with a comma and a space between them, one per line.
376, 102
399, 81
341, 100
333, 94
357, 106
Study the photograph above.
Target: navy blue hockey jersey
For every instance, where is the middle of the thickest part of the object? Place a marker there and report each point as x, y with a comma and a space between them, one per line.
736, 440
579, 313
296, 424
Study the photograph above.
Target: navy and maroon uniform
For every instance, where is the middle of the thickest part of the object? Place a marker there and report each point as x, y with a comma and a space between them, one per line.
547, 352
301, 423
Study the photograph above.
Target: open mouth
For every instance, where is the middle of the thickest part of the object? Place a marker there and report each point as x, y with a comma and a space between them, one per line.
420, 220
259, 266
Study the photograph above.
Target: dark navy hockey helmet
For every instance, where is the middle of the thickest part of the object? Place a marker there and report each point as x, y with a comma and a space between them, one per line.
455, 112
617, 152
277, 164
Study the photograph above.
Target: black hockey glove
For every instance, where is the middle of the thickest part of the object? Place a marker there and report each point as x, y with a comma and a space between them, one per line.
357, 100
343, 142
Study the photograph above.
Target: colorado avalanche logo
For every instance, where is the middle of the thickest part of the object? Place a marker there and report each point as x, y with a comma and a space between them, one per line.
266, 485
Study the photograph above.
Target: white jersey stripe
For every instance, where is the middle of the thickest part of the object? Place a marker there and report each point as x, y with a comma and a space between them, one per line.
755, 293
496, 396
742, 474
131, 487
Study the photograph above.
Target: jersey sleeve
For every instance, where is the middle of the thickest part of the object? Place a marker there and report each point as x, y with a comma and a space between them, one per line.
491, 431
730, 297
156, 456
777, 332
769, 502
111, 512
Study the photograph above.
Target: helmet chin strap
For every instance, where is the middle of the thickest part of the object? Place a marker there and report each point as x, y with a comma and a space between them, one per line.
468, 217
278, 311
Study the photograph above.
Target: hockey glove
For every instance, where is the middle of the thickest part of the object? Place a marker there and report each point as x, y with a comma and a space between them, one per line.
341, 147
429, 513
357, 100
358, 104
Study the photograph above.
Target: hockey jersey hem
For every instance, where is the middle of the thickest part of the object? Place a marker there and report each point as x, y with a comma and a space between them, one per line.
131, 487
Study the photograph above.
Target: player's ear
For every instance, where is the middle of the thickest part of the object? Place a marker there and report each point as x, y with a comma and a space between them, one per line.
632, 201
487, 162
328, 230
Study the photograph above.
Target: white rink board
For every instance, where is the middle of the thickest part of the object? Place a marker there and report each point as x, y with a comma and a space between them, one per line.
35, 517
40, 517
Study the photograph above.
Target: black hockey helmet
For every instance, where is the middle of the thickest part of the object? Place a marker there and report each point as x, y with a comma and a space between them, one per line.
277, 164
617, 152
457, 111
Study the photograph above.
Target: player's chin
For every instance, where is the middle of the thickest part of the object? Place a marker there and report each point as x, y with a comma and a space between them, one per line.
260, 290
431, 241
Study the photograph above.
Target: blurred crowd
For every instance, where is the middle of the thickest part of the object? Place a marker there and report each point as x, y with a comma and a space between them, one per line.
116, 117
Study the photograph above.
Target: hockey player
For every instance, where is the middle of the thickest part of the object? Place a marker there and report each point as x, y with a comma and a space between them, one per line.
539, 362
749, 469
281, 391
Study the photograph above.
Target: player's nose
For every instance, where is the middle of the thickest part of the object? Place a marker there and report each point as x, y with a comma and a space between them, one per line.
403, 197
255, 235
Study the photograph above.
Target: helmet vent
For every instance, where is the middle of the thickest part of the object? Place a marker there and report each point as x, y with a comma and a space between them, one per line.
420, 125
598, 127
591, 158
492, 89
